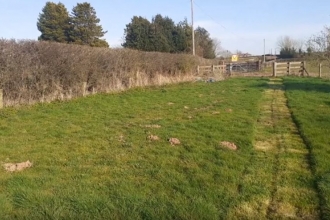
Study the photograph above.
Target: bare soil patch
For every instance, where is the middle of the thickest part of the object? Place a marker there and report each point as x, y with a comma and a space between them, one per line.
174, 141
153, 138
228, 145
12, 167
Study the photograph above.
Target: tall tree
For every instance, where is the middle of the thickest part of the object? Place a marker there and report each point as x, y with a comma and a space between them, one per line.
204, 44
182, 37
54, 23
137, 34
86, 29
162, 33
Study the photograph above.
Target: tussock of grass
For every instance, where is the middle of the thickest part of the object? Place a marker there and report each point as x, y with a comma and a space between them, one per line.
92, 158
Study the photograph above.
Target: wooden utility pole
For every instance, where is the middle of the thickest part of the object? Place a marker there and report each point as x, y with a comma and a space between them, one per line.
264, 50
192, 26
1, 98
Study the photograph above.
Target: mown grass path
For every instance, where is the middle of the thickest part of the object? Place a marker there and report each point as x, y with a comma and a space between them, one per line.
278, 183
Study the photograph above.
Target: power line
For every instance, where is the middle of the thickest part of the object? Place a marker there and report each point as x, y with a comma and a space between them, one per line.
216, 21
221, 25
227, 29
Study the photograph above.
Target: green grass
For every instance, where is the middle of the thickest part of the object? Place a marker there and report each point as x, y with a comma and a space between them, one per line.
309, 101
277, 183
92, 159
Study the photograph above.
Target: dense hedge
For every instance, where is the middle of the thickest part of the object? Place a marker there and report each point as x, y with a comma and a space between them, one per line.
32, 71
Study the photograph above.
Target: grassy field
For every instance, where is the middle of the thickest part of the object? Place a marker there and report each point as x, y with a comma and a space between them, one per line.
93, 158
309, 101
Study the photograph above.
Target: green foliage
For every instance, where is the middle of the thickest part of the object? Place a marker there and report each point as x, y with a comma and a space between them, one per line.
156, 35
137, 34
54, 23
182, 37
86, 30
82, 27
288, 52
204, 44
163, 35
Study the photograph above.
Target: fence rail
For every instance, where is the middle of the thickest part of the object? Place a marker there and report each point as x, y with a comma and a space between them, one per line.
230, 67
211, 69
289, 68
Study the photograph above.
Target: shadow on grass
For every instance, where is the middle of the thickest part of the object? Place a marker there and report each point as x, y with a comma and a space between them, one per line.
301, 84
275, 86
307, 84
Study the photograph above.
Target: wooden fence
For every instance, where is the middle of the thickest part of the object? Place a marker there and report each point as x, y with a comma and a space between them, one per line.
323, 70
289, 68
211, 69
230, 67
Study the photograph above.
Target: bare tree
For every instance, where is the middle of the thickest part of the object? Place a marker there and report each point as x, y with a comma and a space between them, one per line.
301, 45
289, 47
287, 42
318, 46
217, 47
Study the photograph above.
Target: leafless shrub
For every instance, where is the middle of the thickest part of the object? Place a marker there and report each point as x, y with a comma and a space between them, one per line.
32, 71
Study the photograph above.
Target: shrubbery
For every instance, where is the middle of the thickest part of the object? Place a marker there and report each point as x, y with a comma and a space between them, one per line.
32, 71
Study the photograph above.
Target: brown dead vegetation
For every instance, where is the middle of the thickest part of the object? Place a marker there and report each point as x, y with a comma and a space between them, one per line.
32, 71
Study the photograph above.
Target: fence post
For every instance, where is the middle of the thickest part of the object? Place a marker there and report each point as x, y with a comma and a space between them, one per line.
230, 68
288, 70
320, 70
198, 69
212, 68
84, 85
304, 68
1, 98
274, 69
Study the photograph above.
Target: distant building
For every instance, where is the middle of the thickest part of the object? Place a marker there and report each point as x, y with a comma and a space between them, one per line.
244, 55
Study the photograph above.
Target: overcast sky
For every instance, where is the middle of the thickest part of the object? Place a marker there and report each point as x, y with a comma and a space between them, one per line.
238, 24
